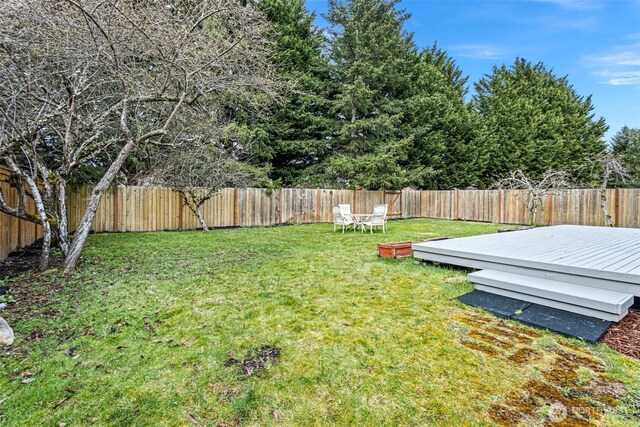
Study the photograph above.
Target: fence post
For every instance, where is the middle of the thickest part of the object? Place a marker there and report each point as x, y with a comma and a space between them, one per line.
115, 208
500, 206
280, 205
355, 209
457, 213
616, 205
550, 214
180, 214
318, 205
236, 207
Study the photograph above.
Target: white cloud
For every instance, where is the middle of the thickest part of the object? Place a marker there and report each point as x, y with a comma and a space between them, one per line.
575, 4
479, 51
623, 78
575, 24
626, 58
619, 67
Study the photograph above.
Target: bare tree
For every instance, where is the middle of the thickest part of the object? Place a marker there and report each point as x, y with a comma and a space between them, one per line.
605, 168
200, 172
82, 79
553, 182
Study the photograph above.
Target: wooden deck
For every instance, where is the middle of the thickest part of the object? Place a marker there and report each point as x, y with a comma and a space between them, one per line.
563, 256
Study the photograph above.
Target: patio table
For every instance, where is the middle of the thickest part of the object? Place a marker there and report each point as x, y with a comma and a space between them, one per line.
360, 219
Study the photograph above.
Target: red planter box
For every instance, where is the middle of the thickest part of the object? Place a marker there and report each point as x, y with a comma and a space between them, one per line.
399, 249
394, 250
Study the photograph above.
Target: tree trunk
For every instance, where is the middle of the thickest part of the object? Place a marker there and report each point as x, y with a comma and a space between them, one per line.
46, 246
41, 210
533, 212
83, 228
603, 206
63, 225
201, 218
603, 197
46, 226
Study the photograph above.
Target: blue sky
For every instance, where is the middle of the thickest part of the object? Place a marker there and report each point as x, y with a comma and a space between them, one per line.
595, 43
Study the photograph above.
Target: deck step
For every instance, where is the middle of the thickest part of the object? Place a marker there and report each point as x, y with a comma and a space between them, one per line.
590, 301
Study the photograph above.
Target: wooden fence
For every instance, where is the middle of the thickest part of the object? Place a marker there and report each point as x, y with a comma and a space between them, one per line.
130, 208
15, 233
155, 208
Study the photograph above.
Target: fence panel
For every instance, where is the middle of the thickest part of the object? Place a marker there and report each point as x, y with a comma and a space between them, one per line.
330, 198
628, 208
440, 204
411, 203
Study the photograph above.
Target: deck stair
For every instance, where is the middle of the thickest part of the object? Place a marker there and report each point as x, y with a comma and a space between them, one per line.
589, 301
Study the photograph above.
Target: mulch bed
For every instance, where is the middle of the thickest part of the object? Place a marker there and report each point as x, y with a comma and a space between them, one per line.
21, 261
625, 335
33, 292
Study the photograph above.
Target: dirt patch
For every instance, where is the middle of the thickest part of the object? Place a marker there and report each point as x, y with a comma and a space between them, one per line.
471, 322
496, 332
522, 331
33, 294
575, 348
256, 360
577, 360
489, 336
21, 261
625, 335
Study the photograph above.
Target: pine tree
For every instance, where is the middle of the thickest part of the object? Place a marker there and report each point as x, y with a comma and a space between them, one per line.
373, 58
536, 121
295, 136
443, 123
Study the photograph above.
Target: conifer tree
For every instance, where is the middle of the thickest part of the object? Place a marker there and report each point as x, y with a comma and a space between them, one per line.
373, 60
535, 121
443, 123
295, 136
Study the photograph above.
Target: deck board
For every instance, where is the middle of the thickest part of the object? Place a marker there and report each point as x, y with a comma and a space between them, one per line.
599, 252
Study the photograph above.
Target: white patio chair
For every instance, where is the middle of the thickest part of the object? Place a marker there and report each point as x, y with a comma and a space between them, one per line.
340, 219
378, 219
345, 210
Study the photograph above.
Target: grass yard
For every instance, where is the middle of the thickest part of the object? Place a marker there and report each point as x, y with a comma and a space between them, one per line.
158, 329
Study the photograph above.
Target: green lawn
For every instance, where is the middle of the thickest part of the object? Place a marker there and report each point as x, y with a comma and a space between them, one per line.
141, 333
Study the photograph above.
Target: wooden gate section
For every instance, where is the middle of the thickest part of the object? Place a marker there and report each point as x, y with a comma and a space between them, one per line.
394, 200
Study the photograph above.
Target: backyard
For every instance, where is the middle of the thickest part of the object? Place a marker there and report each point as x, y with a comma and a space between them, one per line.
289, 325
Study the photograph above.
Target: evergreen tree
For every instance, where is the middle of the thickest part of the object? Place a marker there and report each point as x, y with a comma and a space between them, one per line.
295, 136
373, 58
443, 123
625, 145
535, 121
